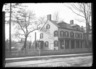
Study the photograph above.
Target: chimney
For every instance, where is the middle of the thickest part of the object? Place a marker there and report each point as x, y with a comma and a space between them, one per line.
71, 22
49, 17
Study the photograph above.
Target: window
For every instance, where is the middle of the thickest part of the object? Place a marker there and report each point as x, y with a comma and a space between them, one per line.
41, 35
76, 35
46, 44
67, 44
61, 33
77, 43
84, 36
55, 43
81, 36
72, 44
47, 26
67, 33
55, 33
71, 34
62, 44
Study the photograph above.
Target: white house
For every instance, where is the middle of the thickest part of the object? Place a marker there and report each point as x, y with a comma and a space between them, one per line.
47, 33
60, 35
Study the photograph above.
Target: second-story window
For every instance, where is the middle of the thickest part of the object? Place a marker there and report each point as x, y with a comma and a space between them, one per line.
61, 33
76, 35
81, 36
84, 36
72, 34
67, 33
41, 35
56, 33
47, 26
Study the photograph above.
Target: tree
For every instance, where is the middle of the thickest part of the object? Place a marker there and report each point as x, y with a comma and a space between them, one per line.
26, 23
56, 16
42, 21
83, 10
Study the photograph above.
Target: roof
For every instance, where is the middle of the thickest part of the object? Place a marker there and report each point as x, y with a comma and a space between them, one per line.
63, 25
54, 22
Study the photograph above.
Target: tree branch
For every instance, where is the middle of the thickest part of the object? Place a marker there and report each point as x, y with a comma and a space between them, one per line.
75, 12
80, 10
20, 25
32, 31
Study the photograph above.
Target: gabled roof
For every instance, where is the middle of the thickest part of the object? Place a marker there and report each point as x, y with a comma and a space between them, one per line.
62, 25
54, 22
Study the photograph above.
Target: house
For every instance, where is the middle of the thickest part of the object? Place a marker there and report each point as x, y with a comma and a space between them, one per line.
61, 35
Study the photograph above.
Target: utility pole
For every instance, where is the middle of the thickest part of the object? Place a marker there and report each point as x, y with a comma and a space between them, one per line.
37, 44
10, 30
35, 39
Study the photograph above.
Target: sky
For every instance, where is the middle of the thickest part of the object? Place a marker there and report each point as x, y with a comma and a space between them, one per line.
43, 9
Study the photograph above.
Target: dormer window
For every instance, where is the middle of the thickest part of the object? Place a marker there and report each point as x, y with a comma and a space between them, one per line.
47, 26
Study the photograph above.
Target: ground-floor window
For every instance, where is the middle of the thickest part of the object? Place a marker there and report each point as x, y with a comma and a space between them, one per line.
67, 44
55, 43
72, 44
83, 44
62, 44
46, 44
77, 44
86, 45
80, 44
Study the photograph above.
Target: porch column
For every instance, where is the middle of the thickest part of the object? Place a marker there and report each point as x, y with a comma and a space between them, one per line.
69, 44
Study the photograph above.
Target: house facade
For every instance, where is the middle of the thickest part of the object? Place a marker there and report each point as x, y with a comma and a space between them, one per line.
61, 35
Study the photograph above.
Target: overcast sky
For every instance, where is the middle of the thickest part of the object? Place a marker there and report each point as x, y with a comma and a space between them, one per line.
43, 9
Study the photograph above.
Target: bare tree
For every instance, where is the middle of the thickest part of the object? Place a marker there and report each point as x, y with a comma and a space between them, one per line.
26, 23
83, 10
56, 16
42, 21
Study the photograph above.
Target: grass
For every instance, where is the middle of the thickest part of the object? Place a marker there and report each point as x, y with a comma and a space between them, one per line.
33, 52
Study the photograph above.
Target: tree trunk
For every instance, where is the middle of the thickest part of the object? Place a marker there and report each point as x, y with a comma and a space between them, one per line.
87, 32
25, 44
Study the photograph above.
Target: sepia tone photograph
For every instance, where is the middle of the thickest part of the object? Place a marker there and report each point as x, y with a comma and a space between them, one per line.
48, 34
